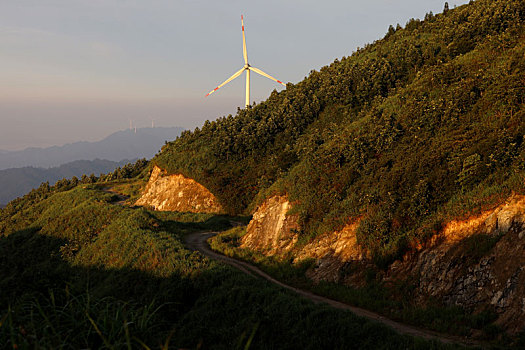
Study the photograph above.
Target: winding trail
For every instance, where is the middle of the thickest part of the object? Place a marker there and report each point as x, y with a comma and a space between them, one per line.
198, 241
121, 198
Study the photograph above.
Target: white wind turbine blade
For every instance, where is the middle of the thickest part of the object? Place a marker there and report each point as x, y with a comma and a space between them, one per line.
256, 70
235, 75
244, 51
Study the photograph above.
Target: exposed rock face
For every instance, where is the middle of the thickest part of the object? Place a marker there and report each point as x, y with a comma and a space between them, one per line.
177, 193
332, 251
272, 230
452, 270
453, 266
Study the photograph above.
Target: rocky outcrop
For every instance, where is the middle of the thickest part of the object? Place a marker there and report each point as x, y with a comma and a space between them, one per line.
177, 193
332, 251
272, 230
476, 263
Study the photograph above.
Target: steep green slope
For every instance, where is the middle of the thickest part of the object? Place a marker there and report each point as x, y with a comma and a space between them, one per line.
423, 125
81, 272
449, 142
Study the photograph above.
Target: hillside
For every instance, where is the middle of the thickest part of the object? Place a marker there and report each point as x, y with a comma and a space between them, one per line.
125, 144
18, 181
392, 180
421, 126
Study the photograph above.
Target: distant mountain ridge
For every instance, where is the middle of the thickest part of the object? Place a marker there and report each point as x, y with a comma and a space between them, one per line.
18, 181
125, 144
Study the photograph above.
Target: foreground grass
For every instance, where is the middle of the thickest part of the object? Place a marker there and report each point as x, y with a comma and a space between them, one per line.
77, 271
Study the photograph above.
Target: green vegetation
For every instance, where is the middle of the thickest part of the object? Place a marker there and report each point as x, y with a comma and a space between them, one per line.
417, 128
80, 272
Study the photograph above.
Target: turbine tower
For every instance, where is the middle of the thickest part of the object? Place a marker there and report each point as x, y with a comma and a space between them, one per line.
246, 68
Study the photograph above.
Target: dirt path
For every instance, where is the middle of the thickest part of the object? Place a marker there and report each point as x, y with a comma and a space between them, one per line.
197, 241
121, 199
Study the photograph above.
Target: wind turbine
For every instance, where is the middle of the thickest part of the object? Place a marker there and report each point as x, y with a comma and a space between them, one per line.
246, 68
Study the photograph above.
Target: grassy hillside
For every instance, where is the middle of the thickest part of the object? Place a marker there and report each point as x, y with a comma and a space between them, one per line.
421, 126
77, 271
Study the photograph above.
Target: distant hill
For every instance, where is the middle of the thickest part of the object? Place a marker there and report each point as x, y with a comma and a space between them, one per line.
125, 144
18, 181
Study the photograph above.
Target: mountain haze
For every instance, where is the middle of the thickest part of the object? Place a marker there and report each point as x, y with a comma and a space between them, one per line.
125, 144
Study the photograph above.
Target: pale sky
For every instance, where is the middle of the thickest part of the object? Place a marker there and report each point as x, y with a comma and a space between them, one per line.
73, 70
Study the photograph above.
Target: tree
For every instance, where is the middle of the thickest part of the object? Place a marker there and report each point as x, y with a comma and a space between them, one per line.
391, 31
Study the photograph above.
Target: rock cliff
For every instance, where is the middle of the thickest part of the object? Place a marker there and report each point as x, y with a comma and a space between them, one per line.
477, 263
272, 230
177, 193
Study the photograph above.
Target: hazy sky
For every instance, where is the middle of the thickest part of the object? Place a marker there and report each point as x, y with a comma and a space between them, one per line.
74, 70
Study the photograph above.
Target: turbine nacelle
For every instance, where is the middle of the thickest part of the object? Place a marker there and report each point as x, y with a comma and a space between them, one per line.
246, 68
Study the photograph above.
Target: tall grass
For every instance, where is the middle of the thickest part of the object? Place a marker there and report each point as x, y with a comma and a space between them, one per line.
61, 320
